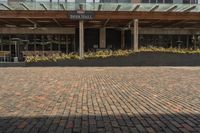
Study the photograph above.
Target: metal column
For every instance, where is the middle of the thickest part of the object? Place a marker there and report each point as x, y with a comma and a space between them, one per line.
102, 37
136, 32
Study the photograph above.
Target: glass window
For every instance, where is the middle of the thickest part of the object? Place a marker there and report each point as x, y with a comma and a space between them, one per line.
186, 1
109, 1
152, 1
145, 1
80, 1
31, 43
5, 42
159, 1
42, 0
168, 1
70, 0
178, 1
89, 1
114, 1
105, 1
194, 1
124, 1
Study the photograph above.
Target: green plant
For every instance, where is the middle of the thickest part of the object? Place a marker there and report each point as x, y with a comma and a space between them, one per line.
87, 55
106, 54
169, 50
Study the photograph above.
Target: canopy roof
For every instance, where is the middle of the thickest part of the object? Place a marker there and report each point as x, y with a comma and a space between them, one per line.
67, 6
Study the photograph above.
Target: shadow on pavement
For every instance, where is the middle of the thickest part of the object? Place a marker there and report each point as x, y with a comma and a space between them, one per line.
120, 123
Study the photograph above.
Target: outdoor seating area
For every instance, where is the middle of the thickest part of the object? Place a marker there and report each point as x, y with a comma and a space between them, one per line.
4, 56
14, 48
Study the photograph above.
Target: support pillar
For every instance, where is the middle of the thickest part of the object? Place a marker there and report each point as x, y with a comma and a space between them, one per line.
81, 39
122, 39
102, 38
10, 43
135, 33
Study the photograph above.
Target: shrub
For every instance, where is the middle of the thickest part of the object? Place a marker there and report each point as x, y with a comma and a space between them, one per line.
87, 55
169, 50
106, 54
51, 58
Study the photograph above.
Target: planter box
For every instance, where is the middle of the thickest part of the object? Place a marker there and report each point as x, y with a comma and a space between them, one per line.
137, 59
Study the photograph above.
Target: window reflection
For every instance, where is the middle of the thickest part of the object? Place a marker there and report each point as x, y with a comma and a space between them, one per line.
70, 0
160, 1
168, 1
145, 1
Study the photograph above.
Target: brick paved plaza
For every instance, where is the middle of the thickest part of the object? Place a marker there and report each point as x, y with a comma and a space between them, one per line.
72, 99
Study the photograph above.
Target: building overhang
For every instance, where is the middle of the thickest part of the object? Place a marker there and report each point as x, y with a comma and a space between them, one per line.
116, 7
48, 14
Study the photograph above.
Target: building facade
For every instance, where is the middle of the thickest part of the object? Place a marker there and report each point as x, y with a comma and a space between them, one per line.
43, 27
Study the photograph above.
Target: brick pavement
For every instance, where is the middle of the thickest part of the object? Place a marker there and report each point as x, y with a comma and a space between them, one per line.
72, 99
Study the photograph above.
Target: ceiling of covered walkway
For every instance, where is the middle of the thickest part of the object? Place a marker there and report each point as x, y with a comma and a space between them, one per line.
27, 14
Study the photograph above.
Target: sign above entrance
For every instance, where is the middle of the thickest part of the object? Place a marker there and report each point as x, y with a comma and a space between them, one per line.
81, 15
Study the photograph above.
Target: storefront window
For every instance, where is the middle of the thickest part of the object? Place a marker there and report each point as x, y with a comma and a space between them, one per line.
168, 1
145, 1
70, 0
160, 1
186, 1
152, 1
194, 1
